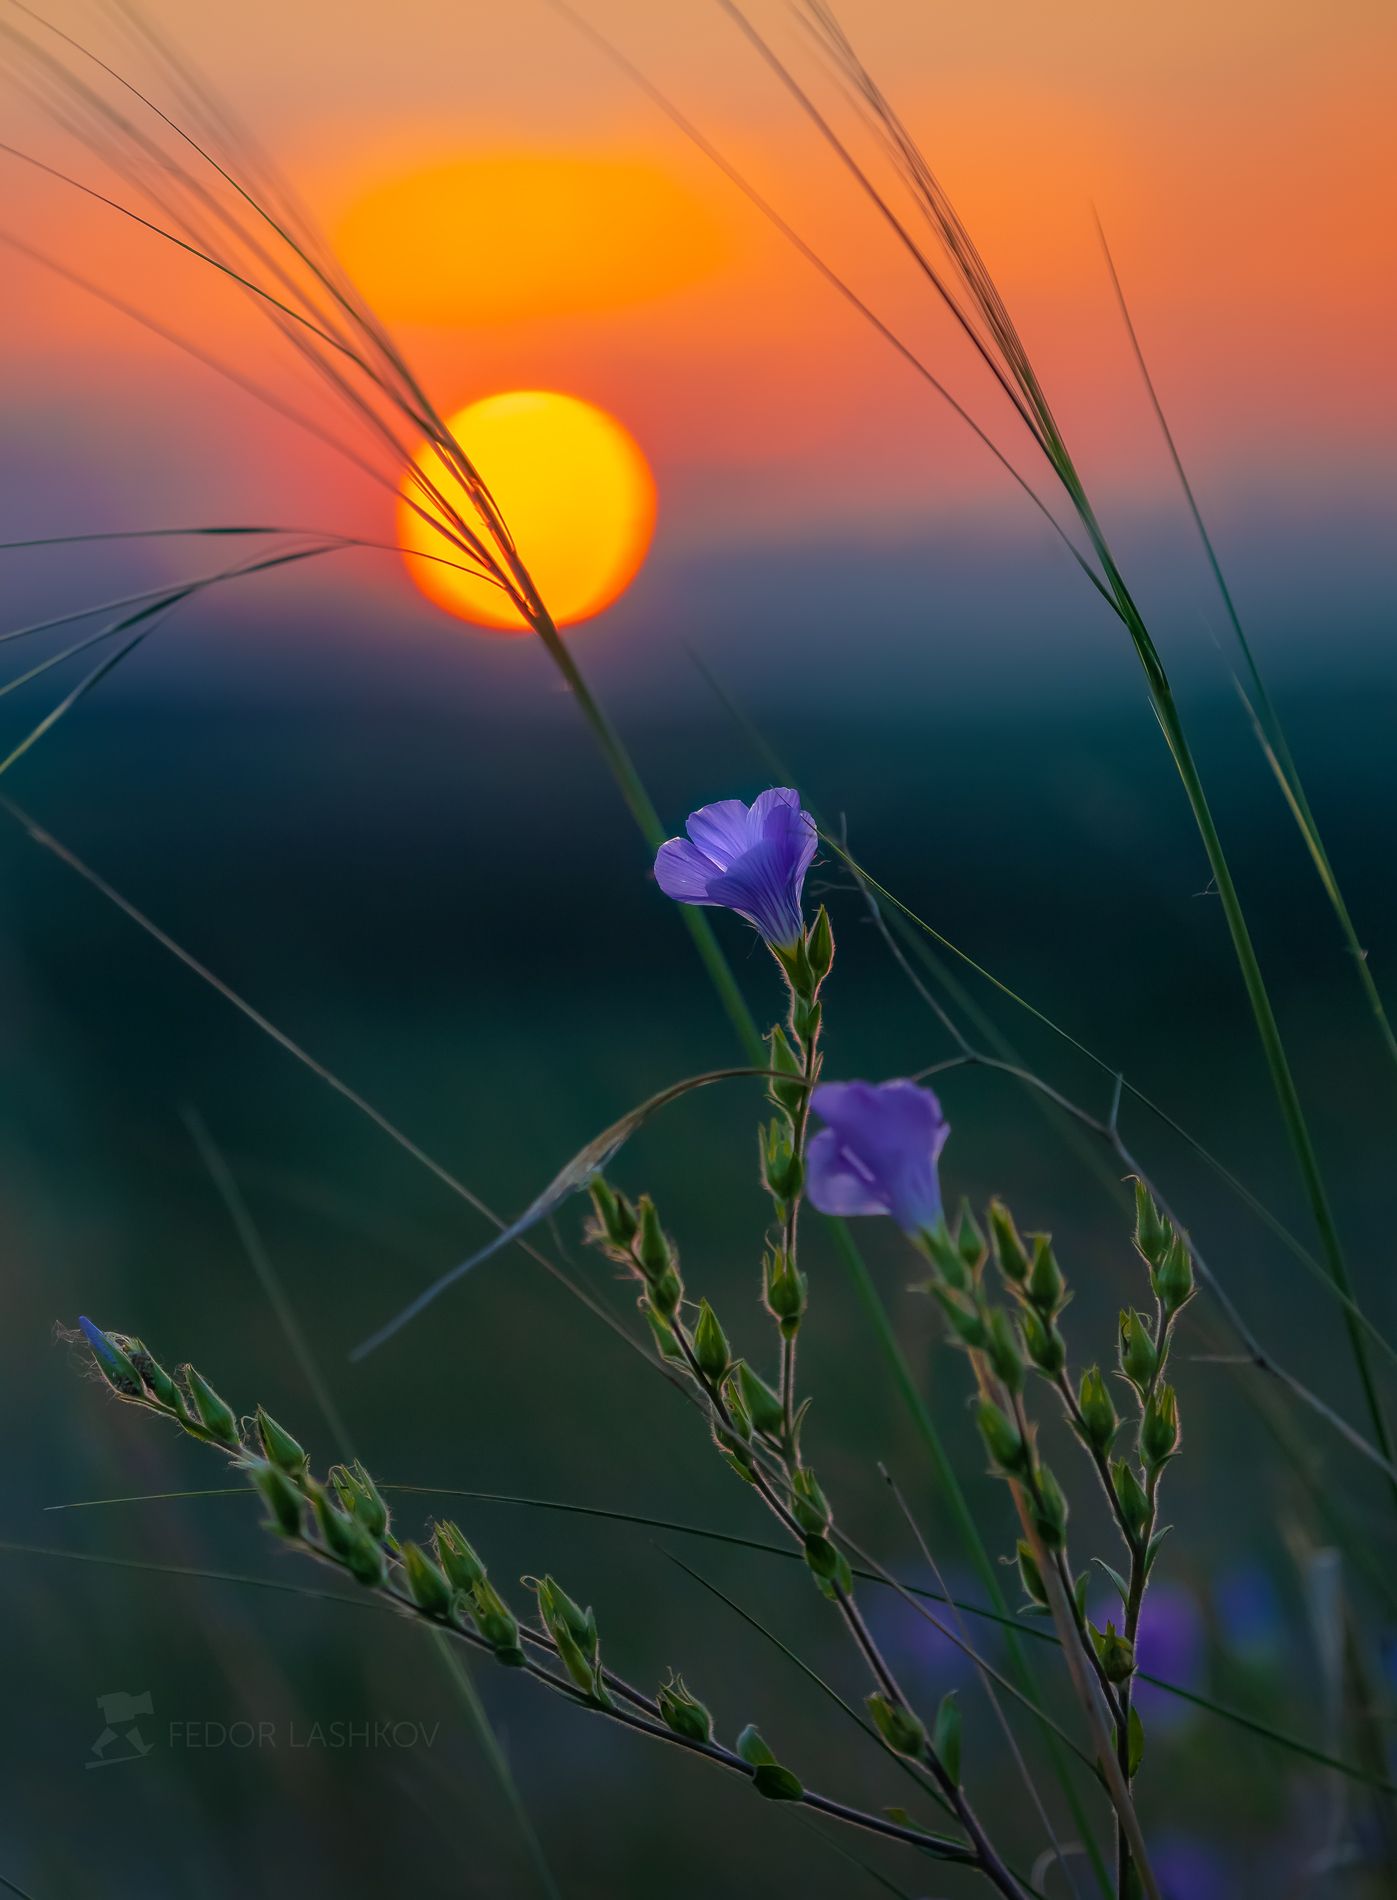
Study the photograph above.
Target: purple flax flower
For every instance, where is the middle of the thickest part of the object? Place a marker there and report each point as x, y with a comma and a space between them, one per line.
751, 859
878, 1153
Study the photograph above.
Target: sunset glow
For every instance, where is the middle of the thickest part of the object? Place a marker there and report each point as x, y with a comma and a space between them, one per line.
575, 491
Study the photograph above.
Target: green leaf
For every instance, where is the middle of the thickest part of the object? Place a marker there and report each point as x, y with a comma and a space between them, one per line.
945, 1736
1135, 1753
777, 1783
1116, 1578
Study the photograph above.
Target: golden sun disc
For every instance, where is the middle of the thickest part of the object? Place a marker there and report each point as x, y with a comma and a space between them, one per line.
575, 491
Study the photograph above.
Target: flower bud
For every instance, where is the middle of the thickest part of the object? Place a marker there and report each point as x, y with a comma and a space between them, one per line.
1152, 1232
970, 1239
216, 1417
1046, 1285
1139, 1356
1130, 1495
1116, 1653
281, 1498
112, 1360
1172, 1279
280, 1447
785, 1291
937, 1244
967, 1321
457, 1557
819, 946
711, 1345
427, 1586
1159, 1428
762, 1405
346, 1539
782, 1170
897, 1725
1046, 1346
669, 1346
652, 1248
1002, 1351
787, 1094
368, 1505
1099, 1420
667, 1294
1050, 1510
1009, 1250
616, 1218
156, 1380
683, 1712
1002, 1439
496, 1622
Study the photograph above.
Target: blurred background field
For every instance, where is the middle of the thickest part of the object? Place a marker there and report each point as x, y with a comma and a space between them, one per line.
394, 838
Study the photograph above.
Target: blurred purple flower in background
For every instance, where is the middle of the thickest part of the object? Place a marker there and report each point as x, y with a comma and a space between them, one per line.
878, 1153
1172, 1645
751, 859
1187, 1869
1251, 1618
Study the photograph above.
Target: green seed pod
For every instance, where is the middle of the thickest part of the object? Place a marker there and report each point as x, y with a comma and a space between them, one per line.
1139, 1356
496, 1622
683, 1712
282, 1499
1002, 1439
966, 1319
669, 1346
785, 1288
1099, 1420
427, 1587
763, 1406
1050, 1510
1002, 1350
369, 1507
970, 1239
809, 1505
781, 1167
1046, 1346
667, 1294
828, 1565
616, 1218
1116, 1654
1159, 1428
1031, 1576
787, 1093
897, 1725
937, 1244
1010, 1254
652, 1248
280, 1447
819, 946
345, 1538
711, 1345
1046, 1286
1172, 1279
457, 1557
217, 1418
1130, 1495
1152, 1232
156, 1380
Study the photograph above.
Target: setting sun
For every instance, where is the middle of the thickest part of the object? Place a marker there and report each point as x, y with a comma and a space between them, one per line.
575, 491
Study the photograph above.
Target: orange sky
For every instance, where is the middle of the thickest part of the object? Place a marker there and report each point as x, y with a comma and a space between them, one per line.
522, 217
